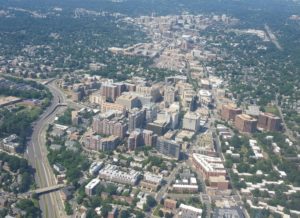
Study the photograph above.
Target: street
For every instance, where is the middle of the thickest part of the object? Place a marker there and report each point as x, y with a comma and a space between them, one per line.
51, 204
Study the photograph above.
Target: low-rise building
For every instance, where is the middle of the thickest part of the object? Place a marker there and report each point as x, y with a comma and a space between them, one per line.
211, 167
186, 211
185, 188
170, 204
10, 144
116, 174
58, 168
228, 212
151, 181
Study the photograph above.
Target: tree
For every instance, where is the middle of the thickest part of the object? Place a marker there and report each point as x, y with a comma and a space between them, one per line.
95, 201
28, 206
68, 208
139, 214
236, 141
3, 212
66, 118
160, 213
204, 211
91, 213
168, 215
105, 209
124, 214
150, 201
146, 208
111, 189
79, 199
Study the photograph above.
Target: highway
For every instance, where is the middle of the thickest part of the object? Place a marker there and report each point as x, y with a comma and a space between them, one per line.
51, 204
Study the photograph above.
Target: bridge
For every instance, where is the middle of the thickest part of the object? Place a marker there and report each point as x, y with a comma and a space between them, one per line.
62, 104
48, 189
57, 106
44, 190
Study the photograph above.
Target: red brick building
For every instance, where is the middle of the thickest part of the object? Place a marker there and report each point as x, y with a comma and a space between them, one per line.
268, 122
245, 123
229, 112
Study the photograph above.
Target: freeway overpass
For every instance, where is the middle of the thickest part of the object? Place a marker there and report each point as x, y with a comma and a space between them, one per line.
44, 190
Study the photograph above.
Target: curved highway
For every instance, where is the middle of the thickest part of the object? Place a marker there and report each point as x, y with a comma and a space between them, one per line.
51, 204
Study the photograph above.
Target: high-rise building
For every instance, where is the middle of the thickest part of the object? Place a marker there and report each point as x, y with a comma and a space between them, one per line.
245, 123
150, 112
168, 147
191, 121
149, 91
187, 96
135, 139
115, 126
193, 105
229, 112
108, 143
91, 186
158, 127
96, 142
268, 122
109, 91
175, 79
75, 117
149, 137
120, 88
106, 106
141, 137
205, 97
169, 95
77, 96
136, 119
130, 87
92, 142
128, 101
97, 98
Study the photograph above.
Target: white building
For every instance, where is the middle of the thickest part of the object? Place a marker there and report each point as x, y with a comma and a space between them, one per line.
187, 211
205, 97
153, 178
95, 167
90, 187
191, 121
116, 174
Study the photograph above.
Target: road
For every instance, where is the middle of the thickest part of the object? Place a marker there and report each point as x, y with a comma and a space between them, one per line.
288, 132
160, 194
51, 204
273, 38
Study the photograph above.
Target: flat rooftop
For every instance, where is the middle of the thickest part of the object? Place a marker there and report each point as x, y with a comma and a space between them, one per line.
246, 117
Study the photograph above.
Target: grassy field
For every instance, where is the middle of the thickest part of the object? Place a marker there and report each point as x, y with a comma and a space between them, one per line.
272, 109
